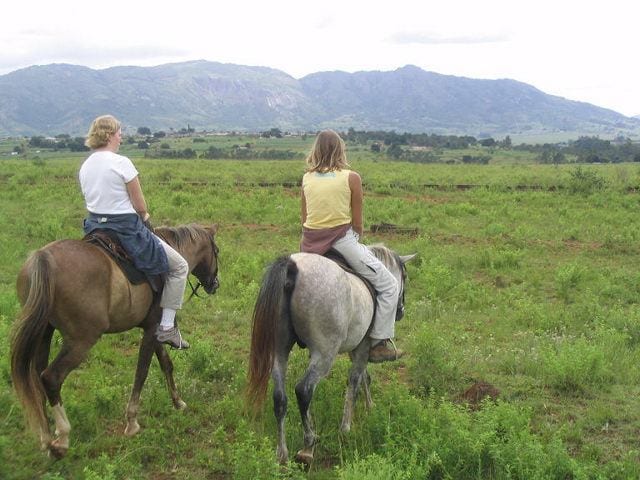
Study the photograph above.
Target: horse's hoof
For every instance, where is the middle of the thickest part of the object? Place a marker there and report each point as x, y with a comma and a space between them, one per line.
180, 405
132, 428
57, 451
305, 457
283, 455
345, 428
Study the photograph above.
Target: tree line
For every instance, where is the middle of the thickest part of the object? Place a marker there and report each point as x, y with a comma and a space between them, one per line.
407, 147
410, 147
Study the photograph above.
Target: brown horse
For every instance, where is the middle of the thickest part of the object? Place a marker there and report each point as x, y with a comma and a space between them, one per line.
76, 288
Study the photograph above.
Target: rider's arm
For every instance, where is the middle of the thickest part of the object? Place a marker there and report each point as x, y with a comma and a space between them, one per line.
137, 198
355, 184
303, 207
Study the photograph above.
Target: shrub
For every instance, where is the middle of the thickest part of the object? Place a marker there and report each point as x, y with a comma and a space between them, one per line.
574, 366
567, 279
585, 181
432, 368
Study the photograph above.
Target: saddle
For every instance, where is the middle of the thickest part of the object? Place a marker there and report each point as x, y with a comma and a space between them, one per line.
109, 242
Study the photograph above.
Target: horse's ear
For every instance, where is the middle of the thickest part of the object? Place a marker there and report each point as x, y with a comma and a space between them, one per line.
407, 258
214, 228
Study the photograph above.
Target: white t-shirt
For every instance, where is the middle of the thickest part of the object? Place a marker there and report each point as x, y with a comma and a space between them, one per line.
103, 178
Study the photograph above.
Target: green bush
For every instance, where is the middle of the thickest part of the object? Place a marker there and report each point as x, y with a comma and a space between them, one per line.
585, 181
576, 365
433, 366
567, 278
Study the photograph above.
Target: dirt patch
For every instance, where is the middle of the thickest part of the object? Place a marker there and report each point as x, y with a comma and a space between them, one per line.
577, 245
255, 226
475, 394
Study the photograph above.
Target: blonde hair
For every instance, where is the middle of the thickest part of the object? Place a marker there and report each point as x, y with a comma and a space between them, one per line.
101, 130
328, 153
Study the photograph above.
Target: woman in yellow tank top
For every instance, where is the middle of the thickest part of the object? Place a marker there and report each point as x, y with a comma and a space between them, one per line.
332, 217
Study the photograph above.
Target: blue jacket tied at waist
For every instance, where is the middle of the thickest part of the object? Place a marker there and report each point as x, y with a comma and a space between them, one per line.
137, 240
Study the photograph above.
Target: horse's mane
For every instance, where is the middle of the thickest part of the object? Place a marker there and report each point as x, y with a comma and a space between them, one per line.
177, 237
385, 255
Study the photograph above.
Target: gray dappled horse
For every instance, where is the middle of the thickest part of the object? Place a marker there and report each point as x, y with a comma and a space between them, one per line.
75, 287
309, 299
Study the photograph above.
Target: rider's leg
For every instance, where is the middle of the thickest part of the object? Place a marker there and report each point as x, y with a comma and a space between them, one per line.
366, 264
171, 299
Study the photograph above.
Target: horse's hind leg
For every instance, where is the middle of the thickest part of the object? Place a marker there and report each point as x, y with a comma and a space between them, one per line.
368, 402
42, 359
318, 368
357, 374
142, 370
167, 368
279, 374
70, 356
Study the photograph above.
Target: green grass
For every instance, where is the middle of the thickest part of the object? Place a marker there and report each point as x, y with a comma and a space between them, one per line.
533, 291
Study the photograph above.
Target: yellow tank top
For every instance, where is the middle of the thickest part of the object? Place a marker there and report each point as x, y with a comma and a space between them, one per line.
328, 198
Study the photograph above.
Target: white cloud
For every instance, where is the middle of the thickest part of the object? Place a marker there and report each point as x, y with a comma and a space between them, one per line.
435, 39
581, 50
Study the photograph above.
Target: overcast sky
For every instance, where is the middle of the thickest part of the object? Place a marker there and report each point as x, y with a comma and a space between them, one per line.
580, 50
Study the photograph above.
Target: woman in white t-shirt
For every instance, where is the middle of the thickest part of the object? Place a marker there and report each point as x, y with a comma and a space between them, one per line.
115, 201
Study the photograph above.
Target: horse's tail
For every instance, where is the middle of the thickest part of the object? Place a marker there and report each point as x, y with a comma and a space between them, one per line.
32, 337
271, 306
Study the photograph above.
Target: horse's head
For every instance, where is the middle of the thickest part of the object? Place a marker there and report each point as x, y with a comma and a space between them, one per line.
197, 245
206, 270
402, 260
396, 265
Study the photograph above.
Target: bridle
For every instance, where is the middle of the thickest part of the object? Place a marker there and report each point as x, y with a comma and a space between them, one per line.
214, 284
400, 307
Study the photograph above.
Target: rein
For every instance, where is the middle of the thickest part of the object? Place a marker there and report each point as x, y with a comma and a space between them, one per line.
194, 290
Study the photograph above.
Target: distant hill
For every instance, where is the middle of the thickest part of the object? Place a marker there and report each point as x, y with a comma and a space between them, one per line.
59, 98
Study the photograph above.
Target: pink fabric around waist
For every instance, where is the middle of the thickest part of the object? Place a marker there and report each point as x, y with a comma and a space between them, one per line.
319, 241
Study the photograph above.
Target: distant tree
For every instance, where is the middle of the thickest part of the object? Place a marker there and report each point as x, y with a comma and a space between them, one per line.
144, 131
77, 145
552, 154
375, 147
488, 142
159, 134
143, 145
274, 132
41, 142
506, 143
189, 153
395, 151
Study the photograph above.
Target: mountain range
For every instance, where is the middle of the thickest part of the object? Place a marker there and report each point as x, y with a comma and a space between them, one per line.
61, 98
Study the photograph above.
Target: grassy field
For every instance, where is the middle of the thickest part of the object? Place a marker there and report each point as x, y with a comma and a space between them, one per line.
534, 291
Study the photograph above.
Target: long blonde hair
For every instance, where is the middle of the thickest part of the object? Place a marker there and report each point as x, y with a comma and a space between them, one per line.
101, 130
328, 153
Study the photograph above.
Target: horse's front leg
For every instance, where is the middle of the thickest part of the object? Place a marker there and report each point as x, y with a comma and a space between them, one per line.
318, 368
145, 353
167, 368
358, 373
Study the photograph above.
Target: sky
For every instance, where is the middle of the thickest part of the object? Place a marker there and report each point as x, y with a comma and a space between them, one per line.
579, 50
